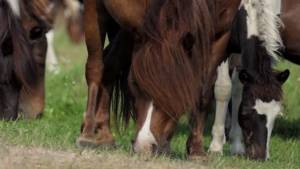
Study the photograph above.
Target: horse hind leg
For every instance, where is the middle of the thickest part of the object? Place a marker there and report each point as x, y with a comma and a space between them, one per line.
115, 59
222, 95
94, 25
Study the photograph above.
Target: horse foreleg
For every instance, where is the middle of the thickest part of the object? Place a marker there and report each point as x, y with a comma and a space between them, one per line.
103, 132
222, 96
235, 134
51, 59
94, 70
195, 141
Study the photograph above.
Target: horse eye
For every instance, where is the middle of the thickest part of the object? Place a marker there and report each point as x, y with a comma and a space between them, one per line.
36, 33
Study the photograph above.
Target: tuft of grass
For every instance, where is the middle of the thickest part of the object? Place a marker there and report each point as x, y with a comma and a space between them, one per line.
66, 98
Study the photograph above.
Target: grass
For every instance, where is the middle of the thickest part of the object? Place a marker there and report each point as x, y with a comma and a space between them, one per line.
66, 99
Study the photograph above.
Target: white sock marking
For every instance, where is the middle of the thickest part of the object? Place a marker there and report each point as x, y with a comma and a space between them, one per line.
222, 96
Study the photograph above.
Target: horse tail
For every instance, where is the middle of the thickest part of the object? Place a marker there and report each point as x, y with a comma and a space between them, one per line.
13, 35
117, 62
162, 67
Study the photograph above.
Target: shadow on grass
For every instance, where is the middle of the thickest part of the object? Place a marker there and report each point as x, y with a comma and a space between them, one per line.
287, 129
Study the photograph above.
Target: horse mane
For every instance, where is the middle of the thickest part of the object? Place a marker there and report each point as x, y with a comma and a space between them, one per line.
13, 35
162, 67
265, 23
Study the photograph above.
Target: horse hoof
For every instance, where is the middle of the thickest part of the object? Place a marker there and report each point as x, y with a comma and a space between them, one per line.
216, 149
83, 142
215, 153
201, 157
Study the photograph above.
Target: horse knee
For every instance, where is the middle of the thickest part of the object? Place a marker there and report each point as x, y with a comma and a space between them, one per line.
223, 83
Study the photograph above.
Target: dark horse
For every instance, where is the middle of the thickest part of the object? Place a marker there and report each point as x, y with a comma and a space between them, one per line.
22, 54
257, 104
171, 69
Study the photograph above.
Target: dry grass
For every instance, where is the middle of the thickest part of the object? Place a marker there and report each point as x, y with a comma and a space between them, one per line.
38, 158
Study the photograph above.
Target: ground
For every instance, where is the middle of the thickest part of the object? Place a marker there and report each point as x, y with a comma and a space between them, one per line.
49, 142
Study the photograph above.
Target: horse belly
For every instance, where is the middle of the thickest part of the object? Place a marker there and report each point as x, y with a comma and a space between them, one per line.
290, 34
128, 13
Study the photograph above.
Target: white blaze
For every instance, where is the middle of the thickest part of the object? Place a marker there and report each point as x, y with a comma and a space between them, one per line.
271, 110
15, 6
145, 138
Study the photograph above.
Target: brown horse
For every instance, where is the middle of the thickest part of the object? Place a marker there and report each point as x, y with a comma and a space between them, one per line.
179, 36
49, 11
23, 48
290, 11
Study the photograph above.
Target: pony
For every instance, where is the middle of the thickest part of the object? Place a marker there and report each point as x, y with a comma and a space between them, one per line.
23, 45
170, 70
49, 11
257, 101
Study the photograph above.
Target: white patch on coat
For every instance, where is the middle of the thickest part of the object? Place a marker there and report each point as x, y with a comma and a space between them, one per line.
15, 6
145, 138
222, 96
271, 110
263, 22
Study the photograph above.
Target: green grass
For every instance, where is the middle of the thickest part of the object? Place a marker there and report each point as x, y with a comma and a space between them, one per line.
66, 99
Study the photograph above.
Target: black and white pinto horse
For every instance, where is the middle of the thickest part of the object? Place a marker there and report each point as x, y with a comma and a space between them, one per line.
255, 88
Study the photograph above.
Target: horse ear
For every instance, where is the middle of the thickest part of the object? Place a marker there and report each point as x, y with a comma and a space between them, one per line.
245, 77
283, 76
188, 41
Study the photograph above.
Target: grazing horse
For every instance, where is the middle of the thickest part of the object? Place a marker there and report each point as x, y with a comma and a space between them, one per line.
171, 68
22, 53
73, 15
257, 102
